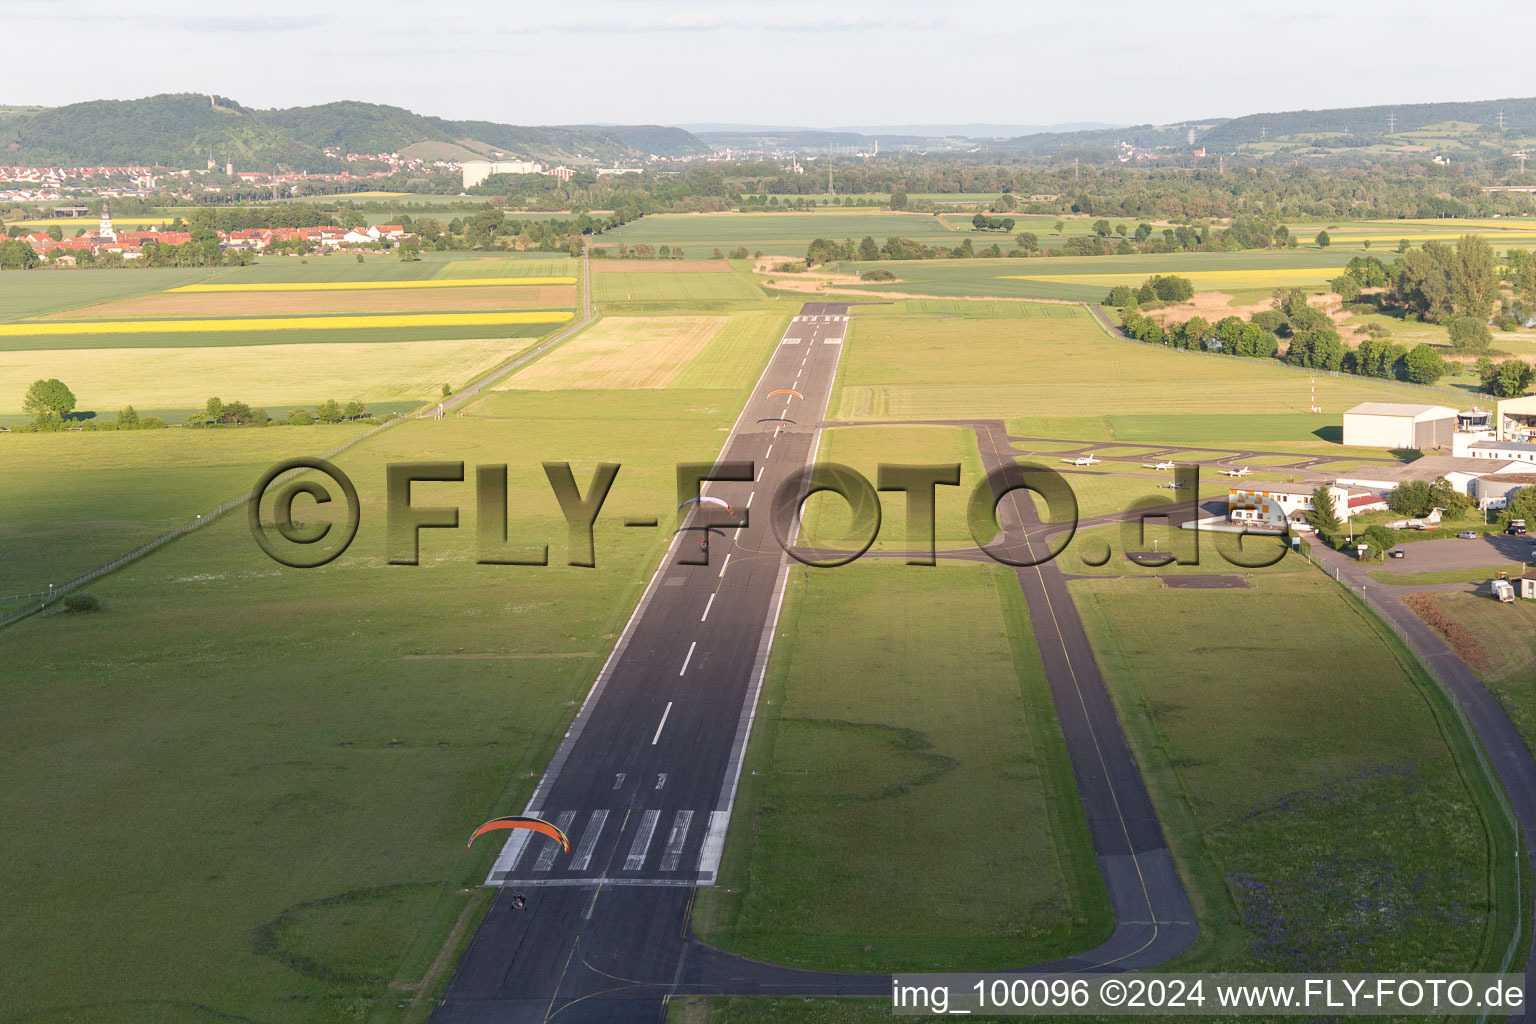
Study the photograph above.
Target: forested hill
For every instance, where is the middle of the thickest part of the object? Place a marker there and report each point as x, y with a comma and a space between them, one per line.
1519, 120
181, 130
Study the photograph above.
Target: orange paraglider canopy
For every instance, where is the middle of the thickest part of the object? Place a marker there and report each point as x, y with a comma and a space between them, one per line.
523, 821
785, 391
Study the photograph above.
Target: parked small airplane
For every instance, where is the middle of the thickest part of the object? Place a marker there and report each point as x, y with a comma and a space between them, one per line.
1174, 485
1236, 472
1158, 465
1083, 460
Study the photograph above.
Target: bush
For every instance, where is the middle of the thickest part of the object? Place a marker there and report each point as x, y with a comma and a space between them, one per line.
877, 275
151, 423
1119, 296
1272, 320
81, 603
300, 418
1347, 287
1469, 334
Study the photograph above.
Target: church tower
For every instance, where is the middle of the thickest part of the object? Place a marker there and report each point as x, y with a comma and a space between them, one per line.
105, 229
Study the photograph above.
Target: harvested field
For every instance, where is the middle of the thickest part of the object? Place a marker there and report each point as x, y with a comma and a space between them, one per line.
204, 304
621, 352
661, 267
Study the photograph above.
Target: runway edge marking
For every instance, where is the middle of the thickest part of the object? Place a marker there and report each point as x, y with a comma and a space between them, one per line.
720, 819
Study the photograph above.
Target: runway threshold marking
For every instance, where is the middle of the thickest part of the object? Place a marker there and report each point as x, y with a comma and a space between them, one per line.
707, 605
636, 859
687, 658
547, 855
673, 852
665, 712
589, 840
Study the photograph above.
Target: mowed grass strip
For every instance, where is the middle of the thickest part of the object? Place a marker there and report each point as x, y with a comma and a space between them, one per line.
671, 287
1313, 783
620, 352
937, 368
363, 286
328, 300
909, 803
296, 323
301, 374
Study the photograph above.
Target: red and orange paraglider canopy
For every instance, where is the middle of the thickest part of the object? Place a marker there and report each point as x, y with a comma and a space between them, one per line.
523, 821
785, 391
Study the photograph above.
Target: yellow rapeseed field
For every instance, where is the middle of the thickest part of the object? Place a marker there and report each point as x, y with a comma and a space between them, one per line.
1252, 278
364, 286
295, 323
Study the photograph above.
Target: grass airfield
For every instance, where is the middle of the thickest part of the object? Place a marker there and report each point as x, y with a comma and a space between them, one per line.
214, 777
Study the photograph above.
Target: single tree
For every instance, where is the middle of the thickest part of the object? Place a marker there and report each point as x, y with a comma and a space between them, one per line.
1323, 241
1323, 517
49, 398
1424, 364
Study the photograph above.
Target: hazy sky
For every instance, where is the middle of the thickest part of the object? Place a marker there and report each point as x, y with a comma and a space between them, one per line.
784, 62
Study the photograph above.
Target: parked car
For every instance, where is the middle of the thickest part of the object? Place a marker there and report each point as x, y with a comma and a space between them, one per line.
1398, 552
1468, 535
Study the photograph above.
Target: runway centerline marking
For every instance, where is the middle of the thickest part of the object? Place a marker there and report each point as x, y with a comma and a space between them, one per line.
686, 659
707, 605
770, 448
725, 563
665, 712
750, 497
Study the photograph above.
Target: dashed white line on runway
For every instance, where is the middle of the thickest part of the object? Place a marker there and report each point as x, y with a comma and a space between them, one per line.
667, 711
686, 660
707, 605
725, 563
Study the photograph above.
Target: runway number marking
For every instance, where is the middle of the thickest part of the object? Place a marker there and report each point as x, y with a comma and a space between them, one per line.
661, 779
663, 723
618, 780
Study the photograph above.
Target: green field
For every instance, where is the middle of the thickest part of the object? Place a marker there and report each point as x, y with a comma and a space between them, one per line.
31, 293
283, 843
634, 290
886, 822
1291, 801
75, 501
828, 518
106, 379
923, 368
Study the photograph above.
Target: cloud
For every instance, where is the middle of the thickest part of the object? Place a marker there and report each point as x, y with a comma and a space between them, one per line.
709, 22
245, 22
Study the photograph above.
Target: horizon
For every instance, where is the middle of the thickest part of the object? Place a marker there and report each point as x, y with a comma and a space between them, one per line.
985, 53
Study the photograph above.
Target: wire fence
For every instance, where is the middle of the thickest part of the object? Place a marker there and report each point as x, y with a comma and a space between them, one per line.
1331, 570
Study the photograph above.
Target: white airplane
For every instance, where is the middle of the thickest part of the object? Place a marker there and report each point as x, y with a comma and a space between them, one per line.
1083, 460
1174, 485
1158, 465
1236, 472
